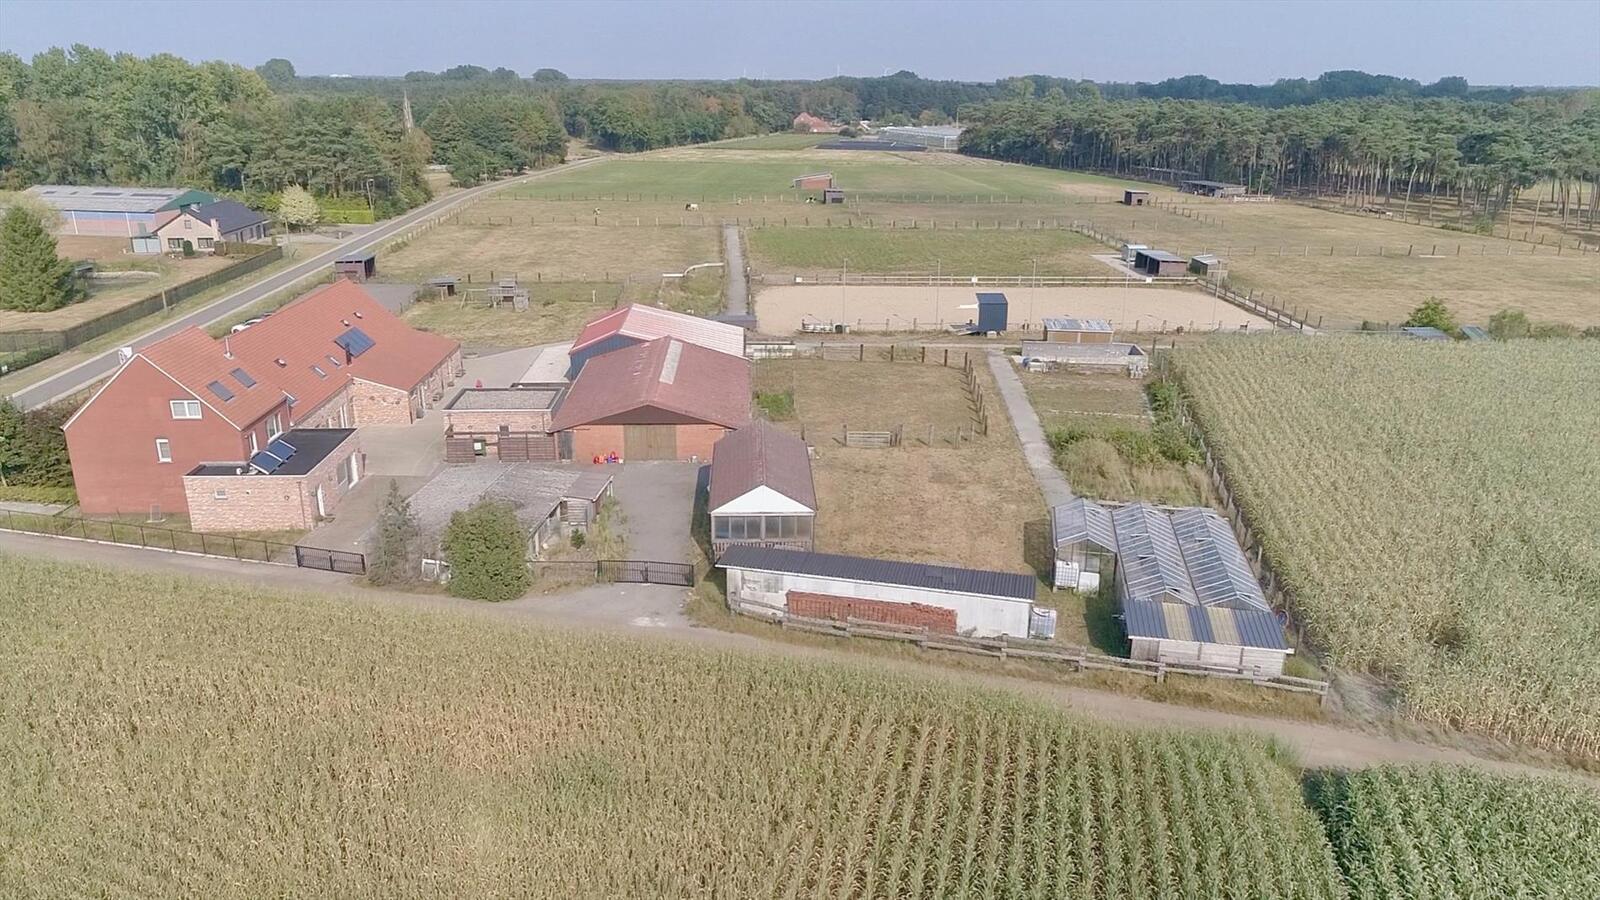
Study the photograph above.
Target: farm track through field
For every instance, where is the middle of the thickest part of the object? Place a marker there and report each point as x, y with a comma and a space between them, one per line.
1315, 744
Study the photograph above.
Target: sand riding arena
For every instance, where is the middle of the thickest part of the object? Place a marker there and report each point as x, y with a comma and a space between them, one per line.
784, 309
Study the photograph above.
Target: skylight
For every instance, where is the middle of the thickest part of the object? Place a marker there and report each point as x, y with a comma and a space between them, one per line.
221, 390
243, 378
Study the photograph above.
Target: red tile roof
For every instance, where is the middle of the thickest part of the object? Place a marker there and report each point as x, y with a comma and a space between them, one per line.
646, 323
761, 454
302, 335
193, 359
658, 382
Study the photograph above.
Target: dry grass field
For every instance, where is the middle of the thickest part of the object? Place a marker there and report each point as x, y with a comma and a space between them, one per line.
1138, 309
567, 251
167, 737
993, 253
970, 503
1279, 248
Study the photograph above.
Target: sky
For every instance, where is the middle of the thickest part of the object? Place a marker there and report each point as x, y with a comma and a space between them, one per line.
1534, 42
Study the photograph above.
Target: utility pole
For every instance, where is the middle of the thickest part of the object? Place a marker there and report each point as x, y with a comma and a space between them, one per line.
1033, 290
937, 272
844, 281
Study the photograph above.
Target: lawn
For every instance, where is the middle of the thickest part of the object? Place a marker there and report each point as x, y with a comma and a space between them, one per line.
1430, 509
126, 280
959, 253
777, 141
1111, 423
875, 395
174, 737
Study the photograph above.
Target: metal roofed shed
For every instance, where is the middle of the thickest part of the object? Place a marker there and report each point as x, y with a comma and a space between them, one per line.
1077, 331
993, 311
1211, 188
358, 266
1424, 333
1085, 545
761, 492
1047, 356
1159, 263
1475, 333
1208, 265
985, 603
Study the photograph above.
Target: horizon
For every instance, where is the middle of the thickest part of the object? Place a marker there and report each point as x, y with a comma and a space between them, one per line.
623, 41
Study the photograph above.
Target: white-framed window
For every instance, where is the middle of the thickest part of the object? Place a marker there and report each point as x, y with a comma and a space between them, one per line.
220, 494
274, 425
185, 409
163, 450
206, 243
174, 243
188, 224
347, 471
253, 445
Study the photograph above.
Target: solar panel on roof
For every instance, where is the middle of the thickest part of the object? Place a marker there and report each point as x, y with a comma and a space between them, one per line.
355, 341
243, 378
221, 390
281, 448
265, 462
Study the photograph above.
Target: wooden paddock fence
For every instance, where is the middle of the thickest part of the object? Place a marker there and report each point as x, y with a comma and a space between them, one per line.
1078, 658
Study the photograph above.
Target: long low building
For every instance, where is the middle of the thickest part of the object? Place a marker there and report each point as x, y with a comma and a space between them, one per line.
294, 482
946, 599
1187, 594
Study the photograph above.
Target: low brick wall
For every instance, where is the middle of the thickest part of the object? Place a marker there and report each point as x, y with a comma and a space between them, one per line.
488, 421
376, 404
915, 615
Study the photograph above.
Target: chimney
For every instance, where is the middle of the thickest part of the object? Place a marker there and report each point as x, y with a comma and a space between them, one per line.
227, 348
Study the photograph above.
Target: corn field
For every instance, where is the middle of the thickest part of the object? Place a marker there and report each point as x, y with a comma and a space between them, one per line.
1450, 832
167, 737
1431, 510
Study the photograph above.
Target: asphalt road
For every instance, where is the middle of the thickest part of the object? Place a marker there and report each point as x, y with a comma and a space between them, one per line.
86, 373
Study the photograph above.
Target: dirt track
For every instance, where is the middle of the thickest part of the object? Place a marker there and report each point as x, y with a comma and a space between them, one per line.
652, 613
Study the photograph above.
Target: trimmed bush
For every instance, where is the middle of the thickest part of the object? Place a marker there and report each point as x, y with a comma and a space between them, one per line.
487, 549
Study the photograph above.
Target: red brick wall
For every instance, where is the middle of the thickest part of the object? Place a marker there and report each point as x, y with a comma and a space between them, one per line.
916, 615
375, 404
112, 444
327, 415
697, 440
269, 502
589, 441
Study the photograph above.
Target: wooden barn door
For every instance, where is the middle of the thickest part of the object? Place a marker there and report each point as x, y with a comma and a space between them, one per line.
649, 442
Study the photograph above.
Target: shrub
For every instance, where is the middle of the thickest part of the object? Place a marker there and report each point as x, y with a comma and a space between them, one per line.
487, 550
776, 405
1508, 324
33, 448
578, 539
1432, 314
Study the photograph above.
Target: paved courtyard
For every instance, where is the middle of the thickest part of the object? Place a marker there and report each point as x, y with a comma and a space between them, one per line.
657, 499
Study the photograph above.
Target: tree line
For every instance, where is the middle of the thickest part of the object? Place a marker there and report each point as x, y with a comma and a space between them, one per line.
1480, 153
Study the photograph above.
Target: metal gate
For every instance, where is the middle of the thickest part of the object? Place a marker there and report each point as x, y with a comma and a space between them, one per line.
343, 561
645, 571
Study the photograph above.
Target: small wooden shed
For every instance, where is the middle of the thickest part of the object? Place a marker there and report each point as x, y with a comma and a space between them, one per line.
1208, 265
833, 195
1135, 198
357, 266
1159, 263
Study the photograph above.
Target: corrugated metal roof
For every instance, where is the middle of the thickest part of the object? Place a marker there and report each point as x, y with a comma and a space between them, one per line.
1211, 184
757, 455
1474, 333
101, 198
1162, 256
1008, 585
1212, 625
1083, 520
1067, 323
647, 323
1148, 556
1217, 567
985, 299
1425, 333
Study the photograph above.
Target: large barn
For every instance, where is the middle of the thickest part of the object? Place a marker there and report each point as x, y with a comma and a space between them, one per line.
115, 211
664, 399
762, 492
634, 324
1187, 594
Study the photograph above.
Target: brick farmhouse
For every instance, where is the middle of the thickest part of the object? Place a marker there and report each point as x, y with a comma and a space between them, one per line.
334, 358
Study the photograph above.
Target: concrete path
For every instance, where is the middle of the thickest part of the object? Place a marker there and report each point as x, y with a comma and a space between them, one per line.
654, 612
1030, 433
736, 292
658, 500
86, 373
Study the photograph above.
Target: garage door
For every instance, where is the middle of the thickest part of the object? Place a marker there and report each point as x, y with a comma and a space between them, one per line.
649, 442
